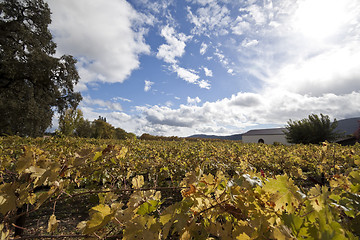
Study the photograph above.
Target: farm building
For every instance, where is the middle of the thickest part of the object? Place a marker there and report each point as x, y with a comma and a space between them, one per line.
350, 128
267, 136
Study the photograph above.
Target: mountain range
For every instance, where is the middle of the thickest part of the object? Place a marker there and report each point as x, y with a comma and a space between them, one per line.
347, 126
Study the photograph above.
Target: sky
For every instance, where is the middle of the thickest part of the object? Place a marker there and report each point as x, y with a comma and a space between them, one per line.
183, 67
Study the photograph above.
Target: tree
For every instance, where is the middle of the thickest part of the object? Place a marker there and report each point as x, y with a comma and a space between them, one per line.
122, 134
103, 129
313, 129
33, 83
70, 120
84, 129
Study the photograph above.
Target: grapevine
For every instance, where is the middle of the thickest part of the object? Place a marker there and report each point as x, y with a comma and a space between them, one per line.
137, 189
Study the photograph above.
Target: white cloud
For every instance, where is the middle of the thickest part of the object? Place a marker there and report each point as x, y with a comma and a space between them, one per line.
256, 13
302, 53
157, 7
186, 74
221, 57
211, 19
168, 103
148, 85
190, 76
121, 99
101, 104
208, 72
204, 84
203, 2
93, 108
174, 47
249, 43
203, 48
101, 36
298, 68
334, 71
316, 24
192, 101
245, 110
240, 26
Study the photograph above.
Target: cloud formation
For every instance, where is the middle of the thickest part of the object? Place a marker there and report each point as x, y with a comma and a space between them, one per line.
203, 48
208, 72
148, 85
244, 110
192, 101
107, 47
174, 47
277, 60
209, 19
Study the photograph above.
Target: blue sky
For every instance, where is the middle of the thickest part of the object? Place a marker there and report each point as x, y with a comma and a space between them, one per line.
177, 68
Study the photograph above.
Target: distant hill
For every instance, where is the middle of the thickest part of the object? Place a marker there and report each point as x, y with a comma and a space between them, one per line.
229, 137
348, 126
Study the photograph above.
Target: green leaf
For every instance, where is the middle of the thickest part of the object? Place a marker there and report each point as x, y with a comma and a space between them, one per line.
294, 222
148, 207
97, 155
165, 218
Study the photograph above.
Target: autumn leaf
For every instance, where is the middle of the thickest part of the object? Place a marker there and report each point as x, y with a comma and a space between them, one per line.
138, 181
283, 193
52, 224
100, 216
191, 190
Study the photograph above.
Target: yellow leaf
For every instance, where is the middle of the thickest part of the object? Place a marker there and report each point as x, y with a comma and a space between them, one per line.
26, 160
100, 216
283, 193
7, 198
122, 153
243, 236
186, 235
318, 197
81, 226
138, 181
104, 209
165, 218
52, 224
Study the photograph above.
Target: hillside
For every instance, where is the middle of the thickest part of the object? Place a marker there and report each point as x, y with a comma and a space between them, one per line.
229, 137
348, 126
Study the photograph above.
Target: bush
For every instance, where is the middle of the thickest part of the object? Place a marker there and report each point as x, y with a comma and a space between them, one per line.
313, 129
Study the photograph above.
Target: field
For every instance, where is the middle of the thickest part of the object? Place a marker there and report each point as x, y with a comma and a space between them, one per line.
70, 188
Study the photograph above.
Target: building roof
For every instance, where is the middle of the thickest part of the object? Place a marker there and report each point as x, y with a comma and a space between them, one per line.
268, 131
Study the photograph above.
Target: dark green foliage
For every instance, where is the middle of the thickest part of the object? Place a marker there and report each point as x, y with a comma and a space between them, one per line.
33, 83
72, 123
103, 129
84, 129
313, 129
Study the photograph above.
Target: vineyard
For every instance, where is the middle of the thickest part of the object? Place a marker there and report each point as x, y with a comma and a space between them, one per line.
71, 188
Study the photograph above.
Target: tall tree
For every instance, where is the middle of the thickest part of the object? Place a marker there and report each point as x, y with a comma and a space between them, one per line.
313, 129
102, 129
84, 129
33, 82
70, 121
